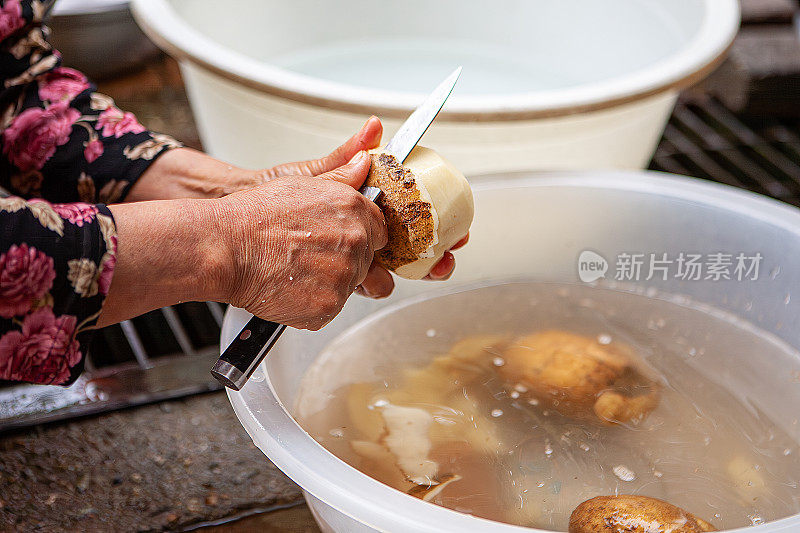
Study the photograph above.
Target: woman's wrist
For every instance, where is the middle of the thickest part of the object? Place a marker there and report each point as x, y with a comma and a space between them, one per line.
168, 251
187, 173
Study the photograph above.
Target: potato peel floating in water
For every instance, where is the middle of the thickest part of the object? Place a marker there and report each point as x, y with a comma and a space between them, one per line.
580, 378
404, 451
633, 514
429, 492
428, 208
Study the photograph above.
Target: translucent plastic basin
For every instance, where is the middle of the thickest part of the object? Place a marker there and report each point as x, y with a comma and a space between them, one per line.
536, 226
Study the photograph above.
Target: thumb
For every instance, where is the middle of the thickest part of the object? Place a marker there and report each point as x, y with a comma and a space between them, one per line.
353, 173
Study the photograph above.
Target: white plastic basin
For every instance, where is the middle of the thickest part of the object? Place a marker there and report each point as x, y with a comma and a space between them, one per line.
535, 225
546, 84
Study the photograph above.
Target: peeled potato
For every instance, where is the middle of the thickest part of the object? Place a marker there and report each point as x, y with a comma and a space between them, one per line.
627, 513
428, 207
747, 478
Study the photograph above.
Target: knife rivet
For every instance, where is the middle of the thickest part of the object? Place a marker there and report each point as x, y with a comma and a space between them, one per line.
245, 334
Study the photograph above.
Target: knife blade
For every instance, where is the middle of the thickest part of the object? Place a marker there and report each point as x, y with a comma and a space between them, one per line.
418, 122
246, 351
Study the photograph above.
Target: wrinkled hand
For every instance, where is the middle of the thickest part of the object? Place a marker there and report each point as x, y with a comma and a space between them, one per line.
300, 245
367, 138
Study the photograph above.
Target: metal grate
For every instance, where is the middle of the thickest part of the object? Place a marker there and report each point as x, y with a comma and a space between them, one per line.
163, 354
168, 353
706, 140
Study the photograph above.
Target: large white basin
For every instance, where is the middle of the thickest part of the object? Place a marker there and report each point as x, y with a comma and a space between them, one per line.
546, 84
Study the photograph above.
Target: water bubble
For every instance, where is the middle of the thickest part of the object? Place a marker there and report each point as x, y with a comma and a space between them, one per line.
658, 473
548, 449
431, 332
755, 519
519, 387
257, 376
604, 338
291, 278
380, 403
533, 401
337, 433
624, 473
514, 394
787, 299
496, 413
498, 361
787, 451
584, 447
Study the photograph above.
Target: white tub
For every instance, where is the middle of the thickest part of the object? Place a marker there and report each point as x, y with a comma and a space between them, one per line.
546, 84
546, 220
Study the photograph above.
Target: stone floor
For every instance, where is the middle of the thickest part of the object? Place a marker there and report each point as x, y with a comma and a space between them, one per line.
160, 467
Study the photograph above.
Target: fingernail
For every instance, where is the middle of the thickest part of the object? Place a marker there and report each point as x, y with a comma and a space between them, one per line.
358, 158
364, 292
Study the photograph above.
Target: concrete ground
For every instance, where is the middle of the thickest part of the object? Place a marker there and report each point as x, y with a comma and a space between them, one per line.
167, 466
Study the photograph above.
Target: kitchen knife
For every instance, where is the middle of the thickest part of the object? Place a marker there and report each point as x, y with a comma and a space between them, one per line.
250, 346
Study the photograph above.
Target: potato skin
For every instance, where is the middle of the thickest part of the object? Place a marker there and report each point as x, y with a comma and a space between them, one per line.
633, 514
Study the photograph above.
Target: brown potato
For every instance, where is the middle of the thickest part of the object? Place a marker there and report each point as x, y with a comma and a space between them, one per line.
579, 377
633, 514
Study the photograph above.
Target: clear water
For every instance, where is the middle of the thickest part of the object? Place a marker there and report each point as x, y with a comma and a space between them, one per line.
708, 447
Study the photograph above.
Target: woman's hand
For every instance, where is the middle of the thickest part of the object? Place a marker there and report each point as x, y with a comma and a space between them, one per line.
291, 250
300, 245
367, 138
187, 173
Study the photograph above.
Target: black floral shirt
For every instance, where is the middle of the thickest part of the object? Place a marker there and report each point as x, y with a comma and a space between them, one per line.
65, 151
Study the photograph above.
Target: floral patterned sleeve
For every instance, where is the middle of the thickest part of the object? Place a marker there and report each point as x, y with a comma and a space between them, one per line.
63, 142
56, 263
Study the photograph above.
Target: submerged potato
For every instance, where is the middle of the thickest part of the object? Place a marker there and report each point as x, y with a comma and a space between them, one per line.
428, 208
633, 514
746, 477
580, 377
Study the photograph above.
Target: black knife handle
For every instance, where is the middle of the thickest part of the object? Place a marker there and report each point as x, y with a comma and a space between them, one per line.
242, 356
